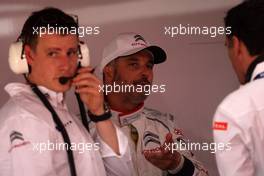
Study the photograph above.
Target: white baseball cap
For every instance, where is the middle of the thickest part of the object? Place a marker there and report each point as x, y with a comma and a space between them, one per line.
130, 43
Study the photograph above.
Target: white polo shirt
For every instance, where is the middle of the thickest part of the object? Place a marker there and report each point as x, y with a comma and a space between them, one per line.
239, 121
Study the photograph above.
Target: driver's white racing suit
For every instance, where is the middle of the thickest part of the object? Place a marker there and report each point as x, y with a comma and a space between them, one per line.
152, 128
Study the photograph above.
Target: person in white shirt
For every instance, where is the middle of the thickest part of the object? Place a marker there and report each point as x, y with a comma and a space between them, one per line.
39, 136
239, 119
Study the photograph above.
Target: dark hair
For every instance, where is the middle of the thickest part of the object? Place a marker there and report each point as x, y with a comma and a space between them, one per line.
247, 24
50, 16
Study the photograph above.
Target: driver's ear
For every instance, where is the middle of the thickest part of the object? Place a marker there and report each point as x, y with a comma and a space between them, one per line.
108, 73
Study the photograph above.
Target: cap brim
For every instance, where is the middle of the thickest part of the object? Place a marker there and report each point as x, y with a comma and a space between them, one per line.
158, 53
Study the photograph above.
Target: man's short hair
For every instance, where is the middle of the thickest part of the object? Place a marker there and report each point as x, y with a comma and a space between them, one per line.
50, 16
247, 24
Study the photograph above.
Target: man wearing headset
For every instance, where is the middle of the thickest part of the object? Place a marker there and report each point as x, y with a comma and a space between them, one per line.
128, 60
31, 142
239, 119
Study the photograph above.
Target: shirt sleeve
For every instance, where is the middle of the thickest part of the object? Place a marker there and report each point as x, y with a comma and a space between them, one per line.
23, 152
234, 159
116, 165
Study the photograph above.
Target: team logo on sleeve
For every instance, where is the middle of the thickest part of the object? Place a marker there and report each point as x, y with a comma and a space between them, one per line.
17, 140
220, 126
15, 135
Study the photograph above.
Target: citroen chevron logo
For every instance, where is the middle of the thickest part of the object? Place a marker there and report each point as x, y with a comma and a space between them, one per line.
150, 137
139, 37
16, 136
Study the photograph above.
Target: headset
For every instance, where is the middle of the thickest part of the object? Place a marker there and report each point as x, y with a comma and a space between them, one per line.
18, 64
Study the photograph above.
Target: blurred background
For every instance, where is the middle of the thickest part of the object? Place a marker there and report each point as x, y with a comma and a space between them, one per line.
197, 73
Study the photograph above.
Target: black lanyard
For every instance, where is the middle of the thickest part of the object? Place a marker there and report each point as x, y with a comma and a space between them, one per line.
60, 127
82, 112
252, 67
